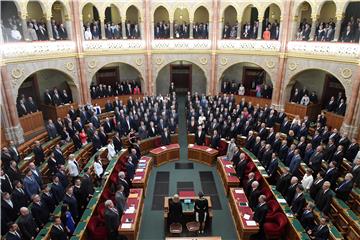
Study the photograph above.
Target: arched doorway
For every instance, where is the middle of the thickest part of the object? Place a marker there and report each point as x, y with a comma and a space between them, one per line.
39, 82
181, 23
230, 23
303, 28
325, 30
37, 21
201, 23
271, 21
255, 80
322, 83
351, 14
250, 22
11, 30
91, 22
132, 23
113, 25
185, 75
61, 26
116, 74
161, 23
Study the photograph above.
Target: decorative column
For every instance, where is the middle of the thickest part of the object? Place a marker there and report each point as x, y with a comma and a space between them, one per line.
123, 28
314, 19
141, 26
49, 28
82, 29
191, 26
215, 36
12, 127
84, 91
171, 20
148, 40
210, 29
281, 27
221, 26
295, 25
260, 28
102, 27
238, 33
339, 19
152, 29
24, 27
68, 27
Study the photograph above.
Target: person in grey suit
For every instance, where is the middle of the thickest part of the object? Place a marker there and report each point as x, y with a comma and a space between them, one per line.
31, 186
120, 199
112, 219
51, 129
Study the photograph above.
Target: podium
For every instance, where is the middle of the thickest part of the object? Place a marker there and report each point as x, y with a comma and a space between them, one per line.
202, 154
55, 112
311, 110
32, 123
166, 154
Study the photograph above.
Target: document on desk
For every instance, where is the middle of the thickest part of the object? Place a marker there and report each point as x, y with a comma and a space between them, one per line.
239, 191
126, 225
261, 168
142, 161
28, 158
208, 149
139, 170
281, 200
229, 165
163, 148
130, 210
251, 223
191, 145
133, 195
137, 178
246, 216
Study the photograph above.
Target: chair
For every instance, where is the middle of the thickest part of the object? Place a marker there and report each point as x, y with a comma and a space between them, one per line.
274, 207
267, 193
97, 229
193, 227
275, 228
175, 228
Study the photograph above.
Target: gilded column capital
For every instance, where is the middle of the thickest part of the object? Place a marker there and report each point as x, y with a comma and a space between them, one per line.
315, 17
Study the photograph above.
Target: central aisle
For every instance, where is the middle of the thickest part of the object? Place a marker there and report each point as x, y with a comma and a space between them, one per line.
168, 179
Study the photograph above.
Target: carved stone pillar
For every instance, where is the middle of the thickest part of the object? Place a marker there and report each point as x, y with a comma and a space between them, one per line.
49, 29
339, 19
171, 28
238, 33
24, 27
259, 33
313, 26
68, 27
12, 127
221, 26
191, 26
295, 25
102, 27
123, 29
141, 26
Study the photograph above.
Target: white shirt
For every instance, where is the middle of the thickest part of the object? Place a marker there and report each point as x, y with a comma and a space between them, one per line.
111, 151
73, 168
88, 35
15, 34
98, 169
305, 100
241, 90
307, 181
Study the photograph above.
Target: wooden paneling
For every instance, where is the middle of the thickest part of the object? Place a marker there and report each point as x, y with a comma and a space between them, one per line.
334, 120
53, 112
124, 98
32, 123
254, 100
312, 110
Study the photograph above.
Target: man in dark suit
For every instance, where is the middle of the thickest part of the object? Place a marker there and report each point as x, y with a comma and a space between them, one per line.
272, 167
27, 224
215, 140
97, 144
341, 108
285, 126
13, 172
58, 231
77, 141
324, 198
14, 232
200, 136
59, 155
295, 163
236, 157
130, 169
255, 192
117, 142
329, 150
307, 218
8, 210
71, 201
14, 151
331, 174
87, 185
298, 202
48, 198
123, 182
291, 190
316, 139
317, 184
355, 171
250, 141
112, 219
40, 211
283, 182
165, 137
39, 154
320, 232
316, 160
260, 211
283, 151
344, 189
241, 166
19, 197
309, 151
57, 190
352, 150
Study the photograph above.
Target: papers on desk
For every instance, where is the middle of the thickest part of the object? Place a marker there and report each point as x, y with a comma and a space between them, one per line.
130, 210
28, 158
163, 147
137, 178
191, 145
246, 216
289, 215
141, 165
251, 223
261, 168
133, 195
208, 150
256, 161
142, 161
239, 191
126, 225
281, 200
229, 165
139, 170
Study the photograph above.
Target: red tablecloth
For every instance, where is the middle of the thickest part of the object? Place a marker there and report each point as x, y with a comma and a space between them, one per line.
187, 194
132, 202
230, 171
241, 198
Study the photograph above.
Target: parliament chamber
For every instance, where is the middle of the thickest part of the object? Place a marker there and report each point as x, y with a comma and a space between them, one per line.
206, 120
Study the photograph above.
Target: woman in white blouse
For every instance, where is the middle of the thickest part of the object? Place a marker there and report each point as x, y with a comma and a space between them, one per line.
88, 34
111, 149
307, 180
99, 170
241, 90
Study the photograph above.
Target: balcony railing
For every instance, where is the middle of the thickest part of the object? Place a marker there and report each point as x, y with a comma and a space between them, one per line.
32, 49
176, 44
111, 45
350, 50
249, 45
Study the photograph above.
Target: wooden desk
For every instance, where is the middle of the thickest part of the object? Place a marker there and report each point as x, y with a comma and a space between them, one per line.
239, 207
227, 174
55, 112
254, 100
202, 154
124, 98
142, 173
334, 120
131, 229
32, 123
150, 143
166, 154
311, 110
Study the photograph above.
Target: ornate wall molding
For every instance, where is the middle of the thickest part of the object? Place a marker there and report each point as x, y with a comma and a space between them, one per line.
186, 44
113, 45
249, 45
